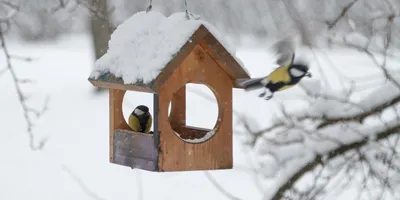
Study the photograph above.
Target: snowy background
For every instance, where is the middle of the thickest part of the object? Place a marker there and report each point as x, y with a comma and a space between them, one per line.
334, 136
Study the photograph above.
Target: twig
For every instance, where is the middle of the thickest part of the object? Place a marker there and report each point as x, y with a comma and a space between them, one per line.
21, 97
81, 184
342, 14
97, 12
14, 10
218, 186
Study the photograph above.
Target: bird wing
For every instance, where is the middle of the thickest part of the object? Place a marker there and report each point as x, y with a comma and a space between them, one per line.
134, 123
281, 74
285, 50
148, 124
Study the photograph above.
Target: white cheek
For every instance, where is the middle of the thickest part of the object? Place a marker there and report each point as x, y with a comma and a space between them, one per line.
138, 112
296, 73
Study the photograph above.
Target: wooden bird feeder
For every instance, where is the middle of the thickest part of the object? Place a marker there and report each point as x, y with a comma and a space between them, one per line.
172, 146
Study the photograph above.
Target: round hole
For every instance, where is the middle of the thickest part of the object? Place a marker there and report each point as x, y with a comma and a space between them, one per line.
133, 99
201, 115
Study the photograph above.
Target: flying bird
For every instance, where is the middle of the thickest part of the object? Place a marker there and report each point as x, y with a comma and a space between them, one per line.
287, 75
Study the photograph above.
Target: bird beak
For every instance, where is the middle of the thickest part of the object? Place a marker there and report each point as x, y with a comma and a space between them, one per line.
309, 74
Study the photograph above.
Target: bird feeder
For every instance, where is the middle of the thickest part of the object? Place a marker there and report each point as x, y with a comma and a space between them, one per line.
174, 146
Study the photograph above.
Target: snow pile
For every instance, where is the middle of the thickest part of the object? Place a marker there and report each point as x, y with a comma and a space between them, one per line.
144, 44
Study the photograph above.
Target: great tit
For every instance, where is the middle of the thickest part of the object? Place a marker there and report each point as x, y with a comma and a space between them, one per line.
140, 119
286, 76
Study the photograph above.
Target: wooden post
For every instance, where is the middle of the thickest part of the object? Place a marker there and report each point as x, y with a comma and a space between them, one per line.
117, 120
215, 153
178, 109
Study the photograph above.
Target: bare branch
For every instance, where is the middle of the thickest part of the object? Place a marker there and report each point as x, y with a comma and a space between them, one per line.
21, 97
21, 58
219, 187
81, 184
13, 11
345, 10
96, 11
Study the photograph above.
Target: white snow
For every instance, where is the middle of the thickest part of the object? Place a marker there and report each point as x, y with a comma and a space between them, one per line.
207, 136
144, 44
77, 125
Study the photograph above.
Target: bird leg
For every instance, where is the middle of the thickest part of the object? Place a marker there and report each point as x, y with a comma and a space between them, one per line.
269, 97
264, 94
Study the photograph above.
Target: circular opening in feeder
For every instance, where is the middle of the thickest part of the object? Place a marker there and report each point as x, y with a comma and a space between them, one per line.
201, 116
132, 99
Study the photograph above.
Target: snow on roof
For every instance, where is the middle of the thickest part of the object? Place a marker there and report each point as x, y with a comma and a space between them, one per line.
143, 45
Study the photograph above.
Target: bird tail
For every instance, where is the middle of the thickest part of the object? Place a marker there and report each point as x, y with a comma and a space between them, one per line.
250, 84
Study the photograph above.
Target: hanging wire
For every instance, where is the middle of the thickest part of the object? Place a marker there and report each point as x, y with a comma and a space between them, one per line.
188, 13
150, 6
186, 9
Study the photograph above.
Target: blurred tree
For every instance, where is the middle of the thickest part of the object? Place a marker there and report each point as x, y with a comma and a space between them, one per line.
101, 28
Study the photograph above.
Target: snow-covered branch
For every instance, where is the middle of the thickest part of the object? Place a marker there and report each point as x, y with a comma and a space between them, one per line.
342, 137
319, 159
331, 24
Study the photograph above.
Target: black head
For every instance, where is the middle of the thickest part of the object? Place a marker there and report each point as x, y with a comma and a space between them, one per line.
143, 108
140, 110
299, 70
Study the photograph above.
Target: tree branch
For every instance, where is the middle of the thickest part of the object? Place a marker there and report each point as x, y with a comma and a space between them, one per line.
330, 155
361, 116
342, 14
81, 184
218, 186
22, 98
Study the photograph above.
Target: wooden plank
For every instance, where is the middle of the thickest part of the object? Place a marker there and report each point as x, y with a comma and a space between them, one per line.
216, 153
156, 132
177, 117
165, 74
223, 58
135, 150
120, 86
117, 120
189, 132
135, 163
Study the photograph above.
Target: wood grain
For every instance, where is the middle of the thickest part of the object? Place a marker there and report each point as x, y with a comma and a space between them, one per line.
216, 153
117, 120
224, 59
188, 47
177, 117
135, 150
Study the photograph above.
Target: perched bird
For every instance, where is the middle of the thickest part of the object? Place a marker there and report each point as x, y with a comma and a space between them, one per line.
287, 75
140, 119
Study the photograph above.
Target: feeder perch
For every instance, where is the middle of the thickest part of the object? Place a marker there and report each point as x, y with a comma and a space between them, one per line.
174, 146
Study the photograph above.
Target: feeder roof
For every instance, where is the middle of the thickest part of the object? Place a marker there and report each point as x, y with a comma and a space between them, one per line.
144, 50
